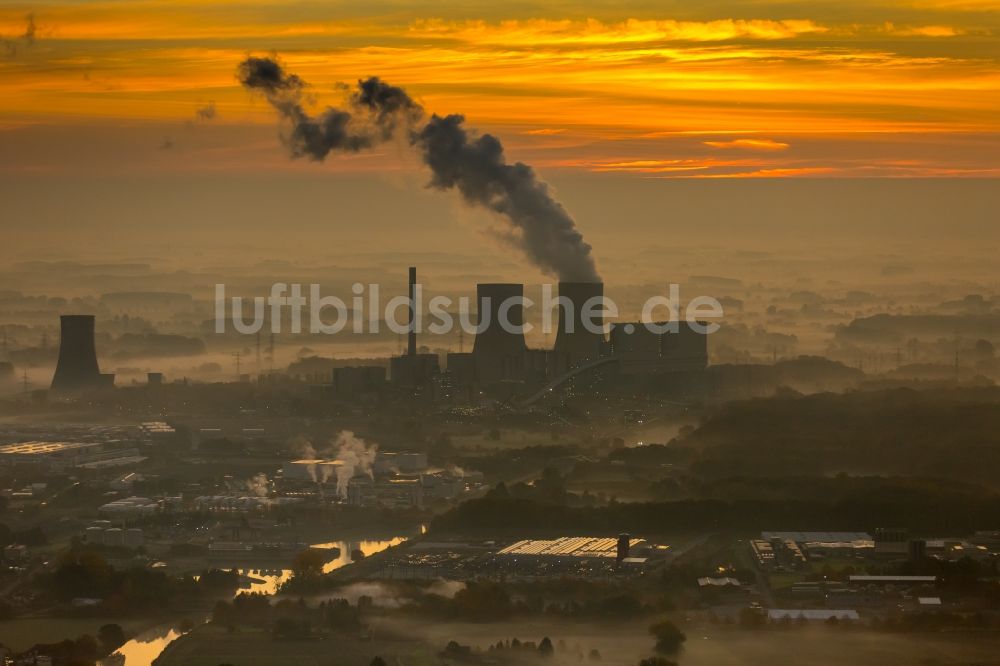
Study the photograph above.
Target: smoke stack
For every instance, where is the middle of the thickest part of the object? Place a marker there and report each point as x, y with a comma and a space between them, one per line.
499, 352
77, 368
574, 343
624, 545
411, 347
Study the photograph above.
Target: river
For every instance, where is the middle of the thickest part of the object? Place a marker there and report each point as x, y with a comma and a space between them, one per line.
147, 646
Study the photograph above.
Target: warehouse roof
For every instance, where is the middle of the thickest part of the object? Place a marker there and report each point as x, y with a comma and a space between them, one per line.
568, 547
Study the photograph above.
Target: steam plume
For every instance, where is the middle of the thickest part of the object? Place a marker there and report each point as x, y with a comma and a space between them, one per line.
459, 159
356, 456
304, 449
257, 485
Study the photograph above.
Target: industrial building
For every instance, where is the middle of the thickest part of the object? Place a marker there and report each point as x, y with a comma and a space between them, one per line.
641, 350
241, 503
324, 470
500, 359
114, 536
316, 470
570, 549
358, 380
388, 493
501, 365
130, 506
777, 553
68, 455
397, 479
585, 557
812, 615
403, 462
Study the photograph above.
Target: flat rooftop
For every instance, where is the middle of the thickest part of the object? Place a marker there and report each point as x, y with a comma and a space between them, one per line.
893, 579
568, 547
44, 448
811, 614
825, 537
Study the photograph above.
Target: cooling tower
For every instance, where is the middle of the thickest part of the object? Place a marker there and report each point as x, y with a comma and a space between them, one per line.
77, 368
499, 353
574, 343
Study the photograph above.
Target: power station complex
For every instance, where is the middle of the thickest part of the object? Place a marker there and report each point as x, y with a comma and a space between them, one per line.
500, 363
501, 358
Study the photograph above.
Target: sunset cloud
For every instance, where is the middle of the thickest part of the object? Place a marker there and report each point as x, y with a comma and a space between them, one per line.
631, 31
749, 144
923, 30
786, 172
611, 88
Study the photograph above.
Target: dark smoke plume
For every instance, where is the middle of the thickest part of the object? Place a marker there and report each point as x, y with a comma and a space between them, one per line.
458, 159
10, 45
29, 30
311, 137
476, 167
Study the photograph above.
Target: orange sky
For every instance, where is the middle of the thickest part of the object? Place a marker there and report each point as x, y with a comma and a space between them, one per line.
658, 89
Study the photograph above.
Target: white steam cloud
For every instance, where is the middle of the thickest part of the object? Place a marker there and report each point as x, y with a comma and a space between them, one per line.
356, 456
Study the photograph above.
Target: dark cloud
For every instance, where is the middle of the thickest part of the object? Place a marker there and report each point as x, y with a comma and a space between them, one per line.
390, 106
312, 137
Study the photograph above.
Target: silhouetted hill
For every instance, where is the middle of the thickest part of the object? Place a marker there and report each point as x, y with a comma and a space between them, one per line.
935, 433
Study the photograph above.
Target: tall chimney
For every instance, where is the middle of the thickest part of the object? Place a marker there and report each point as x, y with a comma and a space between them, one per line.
623, 547
499, 352
579, 345
411, 346
77, 367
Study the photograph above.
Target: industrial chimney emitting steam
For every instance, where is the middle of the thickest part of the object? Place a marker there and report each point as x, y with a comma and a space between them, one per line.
499, 349
77, 368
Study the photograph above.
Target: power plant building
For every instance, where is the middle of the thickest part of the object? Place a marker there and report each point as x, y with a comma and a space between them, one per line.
68, 455
502, 366
353, 380
316, 470
642, 349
